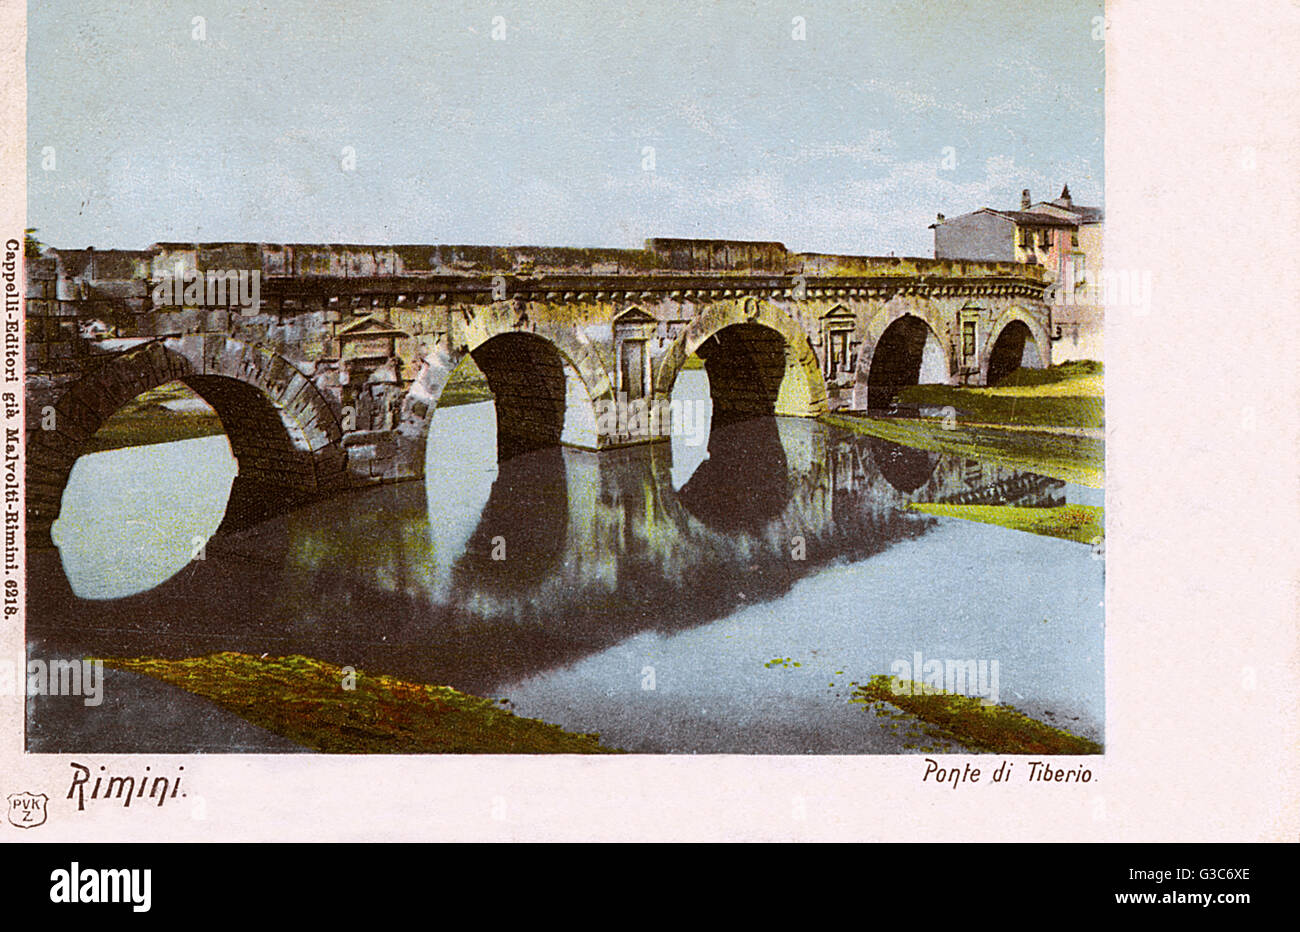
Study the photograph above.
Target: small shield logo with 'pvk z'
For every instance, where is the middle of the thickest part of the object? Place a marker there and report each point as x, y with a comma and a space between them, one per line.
27, 810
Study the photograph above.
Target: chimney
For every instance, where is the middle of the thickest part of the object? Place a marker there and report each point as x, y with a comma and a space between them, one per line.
1064, 200
939, 218
1025, 203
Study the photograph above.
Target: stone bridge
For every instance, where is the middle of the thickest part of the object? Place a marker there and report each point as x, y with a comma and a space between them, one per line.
325, 363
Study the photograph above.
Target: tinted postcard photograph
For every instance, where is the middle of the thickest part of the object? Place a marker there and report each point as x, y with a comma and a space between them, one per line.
572, 378
744, 420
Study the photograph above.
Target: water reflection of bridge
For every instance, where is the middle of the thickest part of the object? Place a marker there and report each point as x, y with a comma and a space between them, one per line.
561, 554
783, 496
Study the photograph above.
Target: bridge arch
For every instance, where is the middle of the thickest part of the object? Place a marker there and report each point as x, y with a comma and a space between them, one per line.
740, 340
282, 432
526, 371
1004, 348
893, 351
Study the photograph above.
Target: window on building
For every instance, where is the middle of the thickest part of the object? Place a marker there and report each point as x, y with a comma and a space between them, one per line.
1074, 237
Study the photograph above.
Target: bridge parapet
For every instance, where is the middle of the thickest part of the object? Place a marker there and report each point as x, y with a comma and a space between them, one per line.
659, 257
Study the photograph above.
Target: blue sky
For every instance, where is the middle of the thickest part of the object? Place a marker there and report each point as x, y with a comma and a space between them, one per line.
833, 143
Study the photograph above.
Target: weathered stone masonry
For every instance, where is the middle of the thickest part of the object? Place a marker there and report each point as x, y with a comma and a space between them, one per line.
331, 382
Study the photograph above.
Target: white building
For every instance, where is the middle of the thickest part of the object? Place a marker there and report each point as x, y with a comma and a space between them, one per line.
1064, 238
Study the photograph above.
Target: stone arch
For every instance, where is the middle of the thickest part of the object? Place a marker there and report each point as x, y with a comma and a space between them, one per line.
1037, 331
282, 432
539, 382
763, 362
894, 311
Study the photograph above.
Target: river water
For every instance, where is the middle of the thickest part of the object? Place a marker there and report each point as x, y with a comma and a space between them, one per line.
682, 597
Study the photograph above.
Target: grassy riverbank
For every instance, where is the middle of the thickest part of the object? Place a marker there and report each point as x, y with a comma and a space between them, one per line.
948, 718
1061, 456
168, 412
1066, 396
1047, 421
310, 702
466, 385
1081, 523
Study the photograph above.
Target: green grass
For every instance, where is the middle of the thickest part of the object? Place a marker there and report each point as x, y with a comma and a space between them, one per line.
467, 385
1065, 372
967, 721
145, 420
1012, 410
1046, 421
1065, 396
1081, 523
464, 392
159, 427
306, 701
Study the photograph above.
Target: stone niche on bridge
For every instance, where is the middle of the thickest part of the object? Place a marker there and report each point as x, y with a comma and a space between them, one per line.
839, 346
370, 372
634, 334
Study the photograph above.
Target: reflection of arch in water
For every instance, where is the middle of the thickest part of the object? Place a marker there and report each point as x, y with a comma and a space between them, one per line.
689, 444
132, 518
905, 468
744, 484
459, 470
334, 593
522, 534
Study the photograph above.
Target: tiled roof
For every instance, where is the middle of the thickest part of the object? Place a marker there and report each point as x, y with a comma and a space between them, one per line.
1031, 218
1085, 214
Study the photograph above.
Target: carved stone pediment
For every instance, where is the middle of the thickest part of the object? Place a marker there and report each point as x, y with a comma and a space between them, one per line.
368, 338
